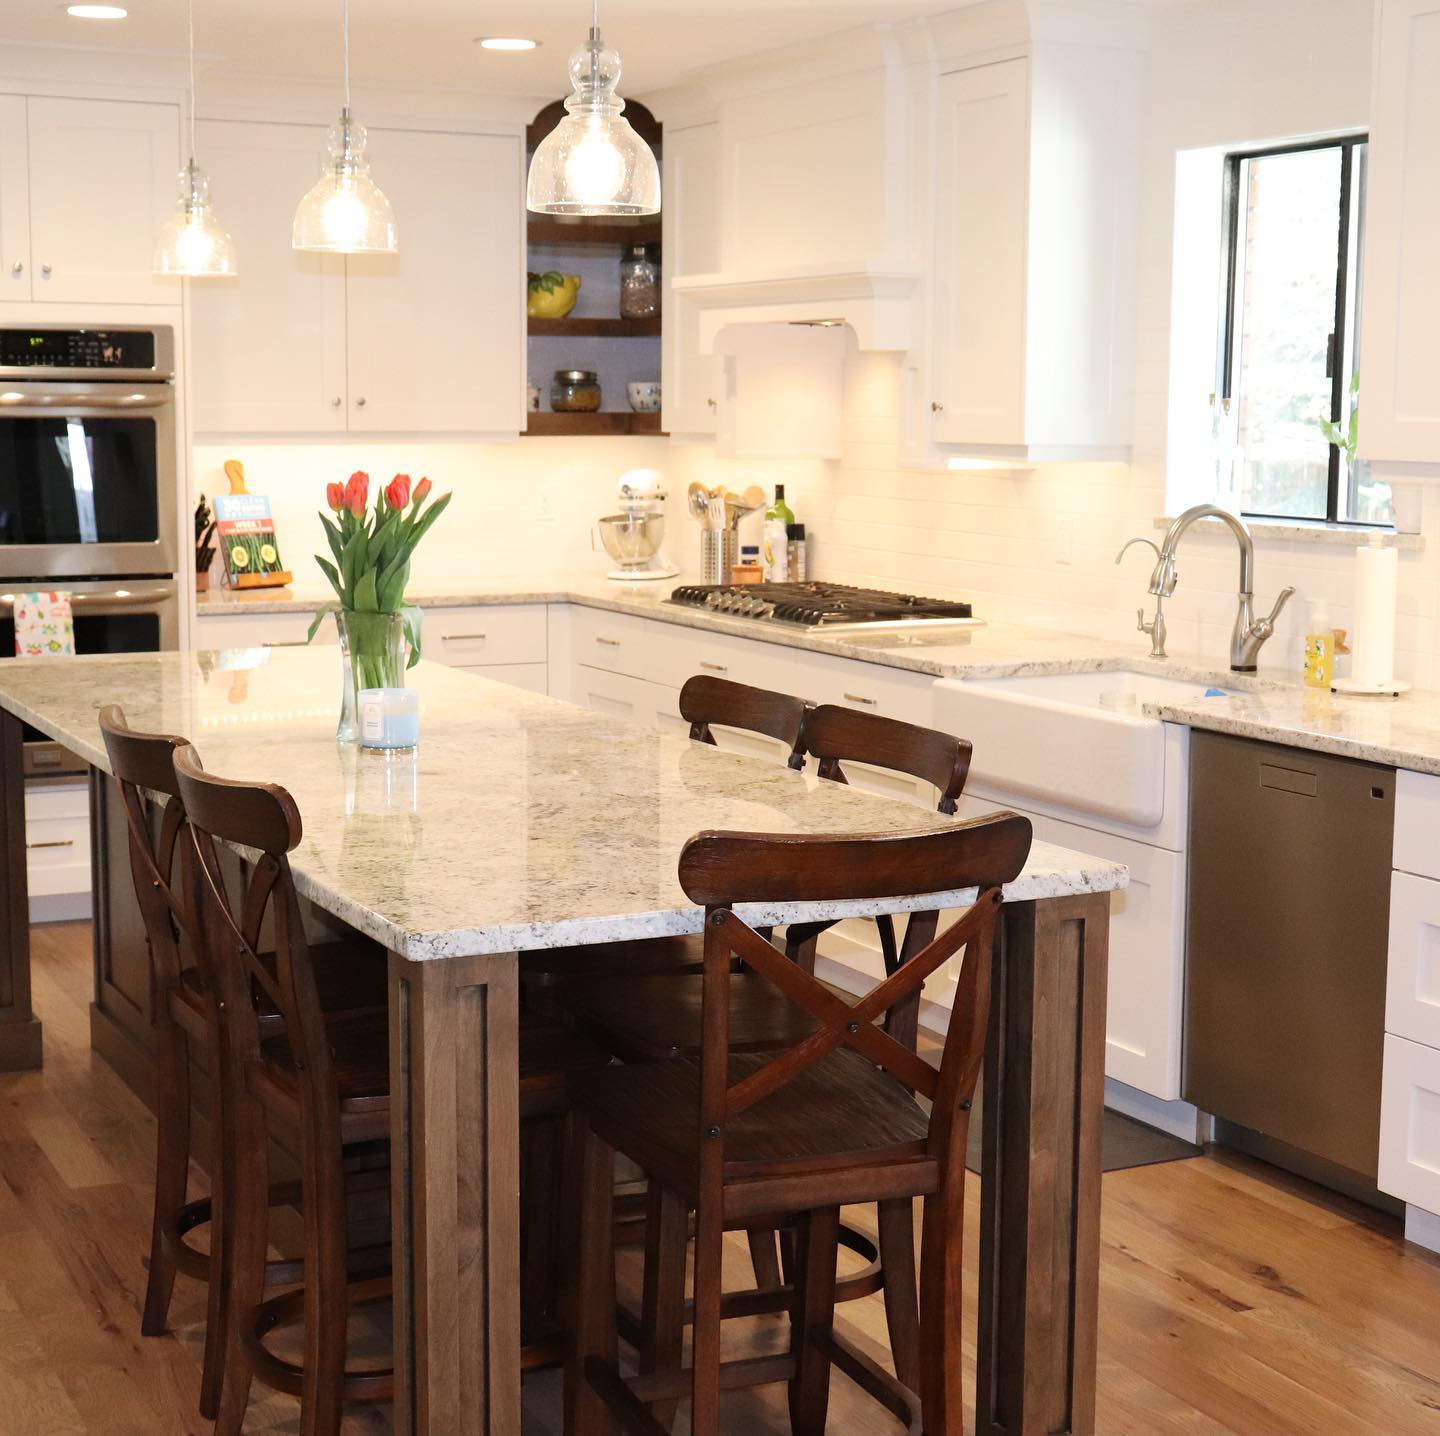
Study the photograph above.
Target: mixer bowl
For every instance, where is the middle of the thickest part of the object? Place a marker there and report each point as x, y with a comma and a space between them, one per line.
632, 539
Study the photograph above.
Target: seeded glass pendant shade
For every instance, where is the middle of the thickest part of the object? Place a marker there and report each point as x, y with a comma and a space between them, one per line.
345, 211
193, 243
592, 162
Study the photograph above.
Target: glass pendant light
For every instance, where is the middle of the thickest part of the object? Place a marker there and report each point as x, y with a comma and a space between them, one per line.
592, 162
345, 211
193, 242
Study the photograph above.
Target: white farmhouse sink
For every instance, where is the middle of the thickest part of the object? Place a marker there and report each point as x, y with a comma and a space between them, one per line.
1075, 740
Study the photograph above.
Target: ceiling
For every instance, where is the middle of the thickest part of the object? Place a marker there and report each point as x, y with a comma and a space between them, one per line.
431, 42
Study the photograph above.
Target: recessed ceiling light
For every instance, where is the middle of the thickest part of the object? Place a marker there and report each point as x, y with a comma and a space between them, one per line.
507, 42
97, 12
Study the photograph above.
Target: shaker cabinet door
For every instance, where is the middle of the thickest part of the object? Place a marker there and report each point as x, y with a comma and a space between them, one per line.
690, 222
436, 332
267, 347
103, 179
14, 199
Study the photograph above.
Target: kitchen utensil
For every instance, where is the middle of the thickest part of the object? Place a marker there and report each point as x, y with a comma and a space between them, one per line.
719, 549
754, 497
697, 497
633, 536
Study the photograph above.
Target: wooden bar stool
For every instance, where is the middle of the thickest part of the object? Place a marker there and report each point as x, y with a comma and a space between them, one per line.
797, 1134
706, 703
320, 1086
349, 976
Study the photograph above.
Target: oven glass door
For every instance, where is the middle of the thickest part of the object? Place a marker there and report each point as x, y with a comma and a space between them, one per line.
86, 480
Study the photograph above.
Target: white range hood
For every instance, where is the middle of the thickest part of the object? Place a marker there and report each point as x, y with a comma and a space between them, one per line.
879, 305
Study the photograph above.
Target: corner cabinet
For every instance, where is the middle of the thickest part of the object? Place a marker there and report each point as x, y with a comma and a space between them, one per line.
1401, 422
311, 343
84, 186
692, 380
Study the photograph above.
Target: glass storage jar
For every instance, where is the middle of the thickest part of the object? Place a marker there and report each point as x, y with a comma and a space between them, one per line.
575, 391
639, 284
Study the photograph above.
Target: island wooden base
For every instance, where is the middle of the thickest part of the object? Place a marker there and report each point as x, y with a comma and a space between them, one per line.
20, 1037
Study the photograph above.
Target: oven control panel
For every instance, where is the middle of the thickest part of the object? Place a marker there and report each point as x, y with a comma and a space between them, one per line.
119, 352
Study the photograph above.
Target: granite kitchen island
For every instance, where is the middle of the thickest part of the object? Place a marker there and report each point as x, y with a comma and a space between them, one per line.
524, 823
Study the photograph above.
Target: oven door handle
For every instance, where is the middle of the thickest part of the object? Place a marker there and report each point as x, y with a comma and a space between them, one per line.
106, 602
37, 400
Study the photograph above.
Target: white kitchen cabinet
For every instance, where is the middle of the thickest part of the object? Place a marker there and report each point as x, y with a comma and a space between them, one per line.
57, 850
690, 221
498, 635
532, 676
103, 177
259, 630
1402, 215
14, 199
1412, 990
865, 687
268, 346
618, 695
1410, 1123
436, 337
1032, 259
309, 343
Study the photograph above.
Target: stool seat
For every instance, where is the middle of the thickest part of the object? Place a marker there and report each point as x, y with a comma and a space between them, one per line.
841, 1113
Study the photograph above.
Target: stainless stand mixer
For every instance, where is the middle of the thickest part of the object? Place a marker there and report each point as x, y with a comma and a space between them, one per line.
633, 536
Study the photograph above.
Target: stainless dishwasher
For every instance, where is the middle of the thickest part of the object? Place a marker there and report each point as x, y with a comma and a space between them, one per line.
1288, 911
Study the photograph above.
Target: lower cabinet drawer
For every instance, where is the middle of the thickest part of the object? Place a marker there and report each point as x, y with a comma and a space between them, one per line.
1412, 988
494, 634
57, 840
616, 642
866, 687
533, 676
617, 695
261, 630
1410, 1123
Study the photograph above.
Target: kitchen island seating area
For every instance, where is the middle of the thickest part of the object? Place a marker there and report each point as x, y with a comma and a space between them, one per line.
442, 1075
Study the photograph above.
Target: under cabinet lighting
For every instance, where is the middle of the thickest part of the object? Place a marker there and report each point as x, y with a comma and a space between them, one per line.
507, 42
97, 12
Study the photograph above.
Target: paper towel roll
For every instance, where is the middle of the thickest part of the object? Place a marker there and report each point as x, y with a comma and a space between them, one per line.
1377, 572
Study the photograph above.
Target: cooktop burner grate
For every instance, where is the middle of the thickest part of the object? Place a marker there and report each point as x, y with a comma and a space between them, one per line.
822, 605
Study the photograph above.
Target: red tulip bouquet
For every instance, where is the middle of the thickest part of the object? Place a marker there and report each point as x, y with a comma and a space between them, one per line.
370, 568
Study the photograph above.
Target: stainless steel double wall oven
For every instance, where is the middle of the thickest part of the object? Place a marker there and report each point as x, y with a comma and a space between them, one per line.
89, 486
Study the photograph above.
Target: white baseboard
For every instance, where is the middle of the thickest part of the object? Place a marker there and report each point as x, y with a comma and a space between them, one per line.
1422, 1228
60, 907
1179, 1119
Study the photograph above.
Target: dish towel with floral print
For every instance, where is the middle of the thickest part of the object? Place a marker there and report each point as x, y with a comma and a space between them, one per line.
44, 627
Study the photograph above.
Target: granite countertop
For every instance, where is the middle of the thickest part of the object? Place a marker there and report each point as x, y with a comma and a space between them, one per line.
521, 822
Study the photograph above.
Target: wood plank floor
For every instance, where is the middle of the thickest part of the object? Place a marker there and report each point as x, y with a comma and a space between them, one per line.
1234, 1299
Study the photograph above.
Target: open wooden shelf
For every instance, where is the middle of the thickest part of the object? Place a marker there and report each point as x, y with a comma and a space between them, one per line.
598, 328
546, 424
548, 230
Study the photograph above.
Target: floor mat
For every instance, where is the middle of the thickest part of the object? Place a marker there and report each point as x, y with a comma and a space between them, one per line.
1124, 1143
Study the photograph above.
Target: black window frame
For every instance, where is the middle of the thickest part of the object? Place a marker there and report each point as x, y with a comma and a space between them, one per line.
1335, 369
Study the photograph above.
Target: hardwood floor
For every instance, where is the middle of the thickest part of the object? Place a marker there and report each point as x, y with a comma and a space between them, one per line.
1235, 1301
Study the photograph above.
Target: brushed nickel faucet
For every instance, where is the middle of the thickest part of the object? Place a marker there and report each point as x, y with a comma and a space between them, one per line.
1156, 627
1249, 634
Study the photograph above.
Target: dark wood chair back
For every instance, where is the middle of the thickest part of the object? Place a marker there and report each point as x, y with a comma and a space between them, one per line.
706, 700
262, 817
834, 735
144, 762
721, 870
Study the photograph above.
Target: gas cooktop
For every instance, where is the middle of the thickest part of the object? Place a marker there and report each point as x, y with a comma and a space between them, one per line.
823, 605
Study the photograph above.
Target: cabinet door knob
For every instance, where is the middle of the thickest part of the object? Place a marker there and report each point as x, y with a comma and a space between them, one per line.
335, 403
711, 403
360, 402
45, 270
936, 407
18, 268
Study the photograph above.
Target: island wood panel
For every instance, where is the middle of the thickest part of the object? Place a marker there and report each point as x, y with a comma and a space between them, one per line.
20, 1038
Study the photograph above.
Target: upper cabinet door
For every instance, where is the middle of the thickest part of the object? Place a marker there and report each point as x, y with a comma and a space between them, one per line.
1400, 421
267, 348
690, 224
436, 332
14, 199
979, 258
103, 177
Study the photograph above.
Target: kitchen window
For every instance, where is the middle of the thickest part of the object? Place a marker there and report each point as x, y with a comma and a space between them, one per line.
1287, 383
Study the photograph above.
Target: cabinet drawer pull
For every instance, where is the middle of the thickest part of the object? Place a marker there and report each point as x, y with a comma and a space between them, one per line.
45, 270
289, 643
18, 268
54, 843
713, 667
462, 637
608, 642
335, 403
360, 402
856, 698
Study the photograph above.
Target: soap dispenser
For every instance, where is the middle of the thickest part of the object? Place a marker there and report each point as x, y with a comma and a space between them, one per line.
1319, 648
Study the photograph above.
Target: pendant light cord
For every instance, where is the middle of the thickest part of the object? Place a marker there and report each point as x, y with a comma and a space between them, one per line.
345, 26
190, 32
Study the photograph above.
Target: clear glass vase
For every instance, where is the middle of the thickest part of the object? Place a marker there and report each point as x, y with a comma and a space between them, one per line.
373, 654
